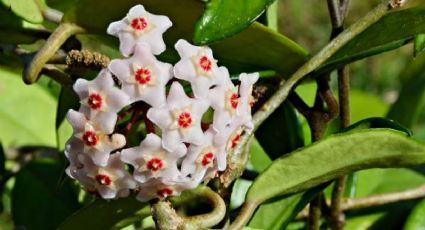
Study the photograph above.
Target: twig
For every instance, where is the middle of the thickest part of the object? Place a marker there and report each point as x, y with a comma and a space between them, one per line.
375, 200
56, 74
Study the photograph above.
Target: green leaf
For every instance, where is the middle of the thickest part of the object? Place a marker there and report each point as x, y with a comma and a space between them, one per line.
391, 31
419, 44
416, 220
38, 202
281, 132
28, 113
332, 157
377, 122
411, 99
107, 214
266, 49
222, 19
26, 9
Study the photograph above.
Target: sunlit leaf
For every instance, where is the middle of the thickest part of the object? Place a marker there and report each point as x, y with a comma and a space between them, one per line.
26, 9
416, 220
419, 44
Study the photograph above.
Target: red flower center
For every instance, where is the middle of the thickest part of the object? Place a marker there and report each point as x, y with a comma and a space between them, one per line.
207, 159
142, 76
164, 192
205, 63
94, 101
155, 164
234, 100
90, 138
139, 23
184, 120
235, 140
103, 179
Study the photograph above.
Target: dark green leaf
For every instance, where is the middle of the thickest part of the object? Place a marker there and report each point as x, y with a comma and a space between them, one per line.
266, 48
281, 132
416, 220
26, 9
335, 156
222, 18
38, 201
411, 99
377, 122
419, 44
391, 31
107, 214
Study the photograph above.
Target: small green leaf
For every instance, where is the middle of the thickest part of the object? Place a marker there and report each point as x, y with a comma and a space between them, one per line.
107, 214
416, 220
419, 44
222, 18
281, 133
266, 49
335, 156
390, 32
377, 122
38, 202
26, 9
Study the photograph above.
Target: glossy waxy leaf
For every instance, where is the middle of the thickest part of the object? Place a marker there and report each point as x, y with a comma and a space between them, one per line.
26, 9
222, 19
416, 220
256, 48
411, 99
391, 31
107, 214
335, 156
377, 122
281, 133
38, 200
419, 44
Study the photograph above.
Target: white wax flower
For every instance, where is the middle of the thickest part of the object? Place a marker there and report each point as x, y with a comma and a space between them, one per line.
201, 158
179, 119
163, 188
151, 160
101, 100
142, 76
110, 181
90, 140
198, 66
140, 26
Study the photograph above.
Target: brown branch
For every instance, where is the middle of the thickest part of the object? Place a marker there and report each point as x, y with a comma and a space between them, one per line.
375, 200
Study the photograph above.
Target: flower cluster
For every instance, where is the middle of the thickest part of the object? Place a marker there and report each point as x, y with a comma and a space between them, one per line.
190, 149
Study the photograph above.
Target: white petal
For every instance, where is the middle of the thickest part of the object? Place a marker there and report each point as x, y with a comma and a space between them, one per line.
185, 70
81, 88
162, 23
106, 121
127, 43
155, 40
160, 116
120, 68
177, 97
77, 120
185, 49
137, 11
115, 27
106, 192
171, 140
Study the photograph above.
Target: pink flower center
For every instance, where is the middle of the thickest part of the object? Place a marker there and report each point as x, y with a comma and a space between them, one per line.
90, 138
234, 99
235, 140
207, 159
142, 76
154, 164
205, 63
139, 23
95, 101
164, 192
184, 120
103, 179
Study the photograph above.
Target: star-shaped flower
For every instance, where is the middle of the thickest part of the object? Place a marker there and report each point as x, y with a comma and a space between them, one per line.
179, 119
151, 160
140, 26
101, 100
201, 158
143, 77
224, 100
110, 181
197, 65
88, 139
163, 188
